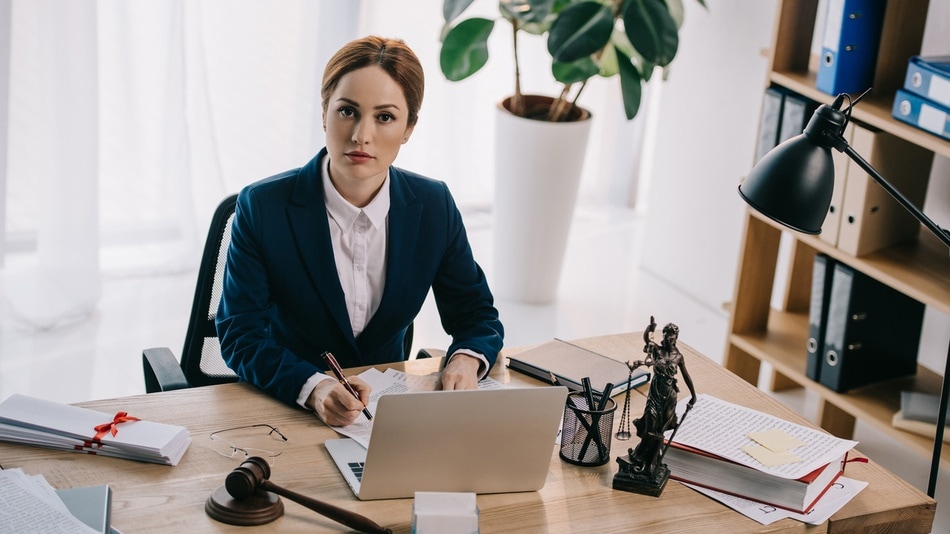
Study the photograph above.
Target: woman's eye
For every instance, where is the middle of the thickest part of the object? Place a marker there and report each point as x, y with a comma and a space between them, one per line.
386, 117
347, 111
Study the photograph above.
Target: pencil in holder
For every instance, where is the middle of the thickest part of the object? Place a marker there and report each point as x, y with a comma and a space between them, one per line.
586, 431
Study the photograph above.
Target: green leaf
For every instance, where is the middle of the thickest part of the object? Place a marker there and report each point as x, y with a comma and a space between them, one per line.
526, 11
575, 71
465, 48
652, 30
451, 9
580, 30
630, 85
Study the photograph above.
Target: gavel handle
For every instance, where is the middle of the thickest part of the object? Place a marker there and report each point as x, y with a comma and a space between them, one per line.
345, 517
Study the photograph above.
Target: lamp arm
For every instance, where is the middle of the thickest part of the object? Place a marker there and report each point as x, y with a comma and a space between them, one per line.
941, 234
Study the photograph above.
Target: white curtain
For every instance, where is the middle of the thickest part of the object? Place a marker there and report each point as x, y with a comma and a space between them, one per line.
127, 122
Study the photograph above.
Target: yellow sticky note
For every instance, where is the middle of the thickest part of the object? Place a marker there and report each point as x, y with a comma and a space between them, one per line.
776, 440
770, 458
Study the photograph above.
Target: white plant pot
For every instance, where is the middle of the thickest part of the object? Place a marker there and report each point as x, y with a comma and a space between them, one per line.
537, 173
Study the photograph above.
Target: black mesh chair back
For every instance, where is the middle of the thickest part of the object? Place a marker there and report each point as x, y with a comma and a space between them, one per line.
201, 362
201, 359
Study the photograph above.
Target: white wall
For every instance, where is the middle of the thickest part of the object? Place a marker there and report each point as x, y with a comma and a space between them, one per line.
704, 144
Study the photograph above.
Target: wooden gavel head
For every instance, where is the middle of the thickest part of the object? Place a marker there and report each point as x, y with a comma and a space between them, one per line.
247, 478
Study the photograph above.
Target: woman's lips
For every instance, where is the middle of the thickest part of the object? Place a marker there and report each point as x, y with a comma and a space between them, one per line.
358, 157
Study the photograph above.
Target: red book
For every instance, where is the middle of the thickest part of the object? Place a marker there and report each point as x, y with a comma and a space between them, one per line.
701, 468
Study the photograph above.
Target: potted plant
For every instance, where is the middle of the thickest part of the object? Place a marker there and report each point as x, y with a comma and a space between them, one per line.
541, 140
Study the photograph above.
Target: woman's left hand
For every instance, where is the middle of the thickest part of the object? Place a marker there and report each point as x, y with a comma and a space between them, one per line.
460, 373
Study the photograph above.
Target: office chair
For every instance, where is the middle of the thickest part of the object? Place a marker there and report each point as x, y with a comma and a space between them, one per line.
201, 362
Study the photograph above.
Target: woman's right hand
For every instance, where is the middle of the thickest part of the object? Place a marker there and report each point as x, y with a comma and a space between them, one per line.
335, 405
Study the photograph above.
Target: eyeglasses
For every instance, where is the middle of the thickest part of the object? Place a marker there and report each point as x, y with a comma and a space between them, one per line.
245, 441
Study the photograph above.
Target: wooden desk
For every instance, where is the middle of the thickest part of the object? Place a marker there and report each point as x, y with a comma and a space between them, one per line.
154, 498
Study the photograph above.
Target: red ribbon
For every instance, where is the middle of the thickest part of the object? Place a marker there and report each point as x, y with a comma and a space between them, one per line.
103, 429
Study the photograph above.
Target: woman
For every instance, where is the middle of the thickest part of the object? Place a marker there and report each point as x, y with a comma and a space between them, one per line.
340, 254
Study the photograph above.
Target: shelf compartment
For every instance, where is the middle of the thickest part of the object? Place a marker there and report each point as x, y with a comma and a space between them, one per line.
782, 346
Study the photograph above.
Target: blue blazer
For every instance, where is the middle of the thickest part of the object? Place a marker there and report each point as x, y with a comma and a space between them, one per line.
282, 304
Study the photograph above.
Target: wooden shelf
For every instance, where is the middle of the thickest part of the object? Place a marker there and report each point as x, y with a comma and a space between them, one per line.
874, 110
920, 269
782, 345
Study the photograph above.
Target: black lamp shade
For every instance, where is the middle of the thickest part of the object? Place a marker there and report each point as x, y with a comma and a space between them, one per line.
792, 184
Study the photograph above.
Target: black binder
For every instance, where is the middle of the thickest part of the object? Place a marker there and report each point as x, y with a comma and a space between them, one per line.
822, 271
796, 112
770, 121
872, 332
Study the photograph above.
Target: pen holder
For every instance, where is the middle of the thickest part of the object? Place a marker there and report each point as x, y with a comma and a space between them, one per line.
586, 432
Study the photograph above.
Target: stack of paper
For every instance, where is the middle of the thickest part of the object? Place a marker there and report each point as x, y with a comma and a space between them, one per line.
32, 421
32, 505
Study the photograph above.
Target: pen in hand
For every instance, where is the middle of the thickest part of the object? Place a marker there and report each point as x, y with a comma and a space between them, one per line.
338, 372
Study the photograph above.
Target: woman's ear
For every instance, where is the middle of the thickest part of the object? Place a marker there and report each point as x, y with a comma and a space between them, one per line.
405, 138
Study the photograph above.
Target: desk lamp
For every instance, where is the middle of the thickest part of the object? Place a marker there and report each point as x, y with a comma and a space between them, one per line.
792, 184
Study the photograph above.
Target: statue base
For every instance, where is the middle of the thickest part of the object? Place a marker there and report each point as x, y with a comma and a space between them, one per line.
643, 483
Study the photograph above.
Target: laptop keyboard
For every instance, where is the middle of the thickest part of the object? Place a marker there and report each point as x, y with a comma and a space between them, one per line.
357, 468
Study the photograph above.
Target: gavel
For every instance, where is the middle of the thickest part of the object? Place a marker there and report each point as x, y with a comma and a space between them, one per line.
254, 473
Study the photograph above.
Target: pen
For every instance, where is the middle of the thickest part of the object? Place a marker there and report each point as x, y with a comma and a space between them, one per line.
338, 372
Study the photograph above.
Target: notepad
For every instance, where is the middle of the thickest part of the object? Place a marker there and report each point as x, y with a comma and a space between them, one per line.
561, 363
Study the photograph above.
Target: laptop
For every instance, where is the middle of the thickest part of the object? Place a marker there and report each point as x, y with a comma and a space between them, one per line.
473, 441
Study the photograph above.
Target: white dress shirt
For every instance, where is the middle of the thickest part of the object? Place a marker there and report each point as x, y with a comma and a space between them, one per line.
359, 237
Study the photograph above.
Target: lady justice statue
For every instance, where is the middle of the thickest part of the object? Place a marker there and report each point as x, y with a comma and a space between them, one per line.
642, 470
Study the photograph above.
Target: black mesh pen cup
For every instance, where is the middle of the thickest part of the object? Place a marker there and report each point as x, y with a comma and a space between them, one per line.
586, 432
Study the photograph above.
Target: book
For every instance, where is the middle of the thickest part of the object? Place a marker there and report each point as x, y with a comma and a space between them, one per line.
746, 453
918, 406
90, 504
558, 362
694, 466
872, 332
922, 428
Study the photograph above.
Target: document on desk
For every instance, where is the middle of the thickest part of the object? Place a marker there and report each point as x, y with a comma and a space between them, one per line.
30, 504
32, 421
839, 494
393, 382
722, 428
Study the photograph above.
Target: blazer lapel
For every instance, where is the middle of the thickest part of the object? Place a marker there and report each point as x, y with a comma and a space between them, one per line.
307, 217
404, 217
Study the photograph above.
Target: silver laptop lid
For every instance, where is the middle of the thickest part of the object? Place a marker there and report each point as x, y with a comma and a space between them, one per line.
481, 441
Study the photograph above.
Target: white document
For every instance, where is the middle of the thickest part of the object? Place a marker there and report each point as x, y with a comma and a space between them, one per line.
838, 494
34, 421
723, 428
31, 505
393, 382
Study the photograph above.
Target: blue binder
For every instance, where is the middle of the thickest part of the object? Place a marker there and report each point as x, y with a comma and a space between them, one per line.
929, 77
922, 113
849, 46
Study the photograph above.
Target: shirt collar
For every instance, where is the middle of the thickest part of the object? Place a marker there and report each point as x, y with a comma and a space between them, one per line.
344, 213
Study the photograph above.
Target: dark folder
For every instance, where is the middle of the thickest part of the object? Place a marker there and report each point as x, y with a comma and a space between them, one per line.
873, 332
769, 122
796, 112
822, 271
